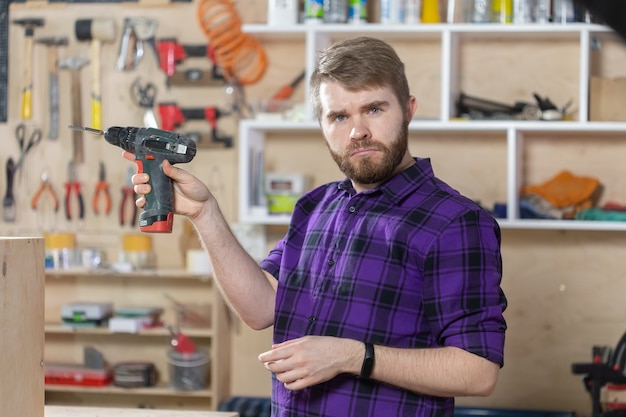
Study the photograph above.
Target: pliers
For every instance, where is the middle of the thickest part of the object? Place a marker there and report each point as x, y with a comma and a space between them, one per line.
102, 190
44, 187
128, 198
73, 185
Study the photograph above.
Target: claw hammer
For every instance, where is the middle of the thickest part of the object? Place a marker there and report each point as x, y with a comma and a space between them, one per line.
96, 31
27, 89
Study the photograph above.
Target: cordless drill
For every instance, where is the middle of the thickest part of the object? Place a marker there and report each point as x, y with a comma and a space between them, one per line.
151, 147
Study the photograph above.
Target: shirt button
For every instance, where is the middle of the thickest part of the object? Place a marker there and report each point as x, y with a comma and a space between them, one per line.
312, 319
352, 209
331, 262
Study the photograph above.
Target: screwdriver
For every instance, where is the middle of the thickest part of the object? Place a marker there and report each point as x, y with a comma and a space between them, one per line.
286, 91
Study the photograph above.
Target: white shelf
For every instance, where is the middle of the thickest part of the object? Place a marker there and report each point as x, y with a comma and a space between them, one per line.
253, 133
410, 31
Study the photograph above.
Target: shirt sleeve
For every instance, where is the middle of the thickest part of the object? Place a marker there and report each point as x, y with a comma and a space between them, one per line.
462, 294
272, 262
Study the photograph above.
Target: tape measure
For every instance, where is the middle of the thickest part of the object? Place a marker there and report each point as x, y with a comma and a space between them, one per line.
4, 58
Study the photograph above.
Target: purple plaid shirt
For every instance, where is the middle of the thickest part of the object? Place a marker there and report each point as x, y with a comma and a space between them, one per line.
410, 264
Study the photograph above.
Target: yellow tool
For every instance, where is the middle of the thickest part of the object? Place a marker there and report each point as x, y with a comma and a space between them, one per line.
27, 88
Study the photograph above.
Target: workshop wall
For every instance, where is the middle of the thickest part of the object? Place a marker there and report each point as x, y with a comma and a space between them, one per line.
564, 287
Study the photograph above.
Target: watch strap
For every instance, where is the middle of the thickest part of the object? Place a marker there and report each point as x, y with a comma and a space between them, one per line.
368, 361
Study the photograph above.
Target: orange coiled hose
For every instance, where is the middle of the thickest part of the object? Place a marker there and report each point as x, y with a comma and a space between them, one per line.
240, 56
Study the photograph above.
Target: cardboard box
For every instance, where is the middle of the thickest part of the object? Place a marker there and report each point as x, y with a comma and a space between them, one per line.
606, 99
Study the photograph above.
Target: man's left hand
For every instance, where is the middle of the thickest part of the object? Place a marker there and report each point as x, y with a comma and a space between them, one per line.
311, 360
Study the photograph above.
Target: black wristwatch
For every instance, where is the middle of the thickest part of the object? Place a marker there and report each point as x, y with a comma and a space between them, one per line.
368, 361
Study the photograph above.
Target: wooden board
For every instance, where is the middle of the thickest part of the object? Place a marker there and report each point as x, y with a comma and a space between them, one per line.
60, 411
21, 326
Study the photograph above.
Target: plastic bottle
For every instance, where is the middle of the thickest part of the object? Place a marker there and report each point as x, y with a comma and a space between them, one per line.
543, 11
478, 11
357, 12
335, 11
313, 11
522, 11
282, 12
391, 11
413, 12
430, 11
502, 11
563, 11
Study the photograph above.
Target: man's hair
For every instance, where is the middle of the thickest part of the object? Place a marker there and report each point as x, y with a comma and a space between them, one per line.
357, 64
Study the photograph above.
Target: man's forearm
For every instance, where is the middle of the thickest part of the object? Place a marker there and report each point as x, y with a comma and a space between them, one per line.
442, 372
246, 287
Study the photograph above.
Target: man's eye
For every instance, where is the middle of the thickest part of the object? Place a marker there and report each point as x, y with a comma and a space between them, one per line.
340, 118
375, 110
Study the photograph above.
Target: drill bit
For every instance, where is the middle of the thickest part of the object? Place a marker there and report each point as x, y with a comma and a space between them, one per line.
87, 129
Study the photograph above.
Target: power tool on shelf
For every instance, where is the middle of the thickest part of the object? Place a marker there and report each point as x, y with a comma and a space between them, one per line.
171, 53
172, 116
151, 147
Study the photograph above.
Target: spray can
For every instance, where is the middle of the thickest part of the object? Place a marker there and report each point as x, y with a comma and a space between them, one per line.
502, 11
391, 11
357, 12
335, 11
313, 11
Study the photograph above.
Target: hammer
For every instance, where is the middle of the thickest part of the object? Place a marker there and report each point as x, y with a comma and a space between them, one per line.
96, 31
53, 43
74, 64
27, 90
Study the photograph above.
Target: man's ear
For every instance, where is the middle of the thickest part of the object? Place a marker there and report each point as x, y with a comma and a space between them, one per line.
411, 107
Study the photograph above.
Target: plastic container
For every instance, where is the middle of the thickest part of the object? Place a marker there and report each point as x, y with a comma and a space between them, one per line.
188, 371
313, 11
563, 11
391, 12
478, 11
335, 11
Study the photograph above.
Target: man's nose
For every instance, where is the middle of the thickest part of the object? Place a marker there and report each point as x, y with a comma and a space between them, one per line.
360, 129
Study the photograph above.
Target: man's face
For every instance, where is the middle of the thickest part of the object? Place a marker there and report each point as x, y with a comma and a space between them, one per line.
366, 132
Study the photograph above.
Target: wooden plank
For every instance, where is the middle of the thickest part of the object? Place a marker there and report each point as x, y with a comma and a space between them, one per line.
61, 411
21, 327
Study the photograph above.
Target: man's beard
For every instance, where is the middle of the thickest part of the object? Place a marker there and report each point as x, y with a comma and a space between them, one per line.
366, 170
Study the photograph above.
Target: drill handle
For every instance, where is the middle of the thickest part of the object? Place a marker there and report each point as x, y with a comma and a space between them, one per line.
158, 214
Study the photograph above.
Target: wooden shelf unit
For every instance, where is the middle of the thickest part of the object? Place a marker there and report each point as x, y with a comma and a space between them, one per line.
65, 344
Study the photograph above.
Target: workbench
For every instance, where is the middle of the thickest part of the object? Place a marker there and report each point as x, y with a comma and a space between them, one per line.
77, 411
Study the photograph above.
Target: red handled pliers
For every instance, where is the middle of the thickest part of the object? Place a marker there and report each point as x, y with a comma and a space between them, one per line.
102, 190
128, 198
73, 185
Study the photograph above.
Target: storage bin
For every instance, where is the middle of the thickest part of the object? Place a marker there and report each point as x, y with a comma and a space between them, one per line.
188, 371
